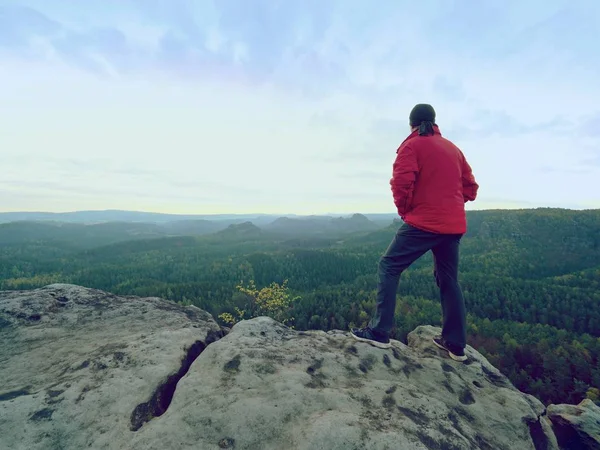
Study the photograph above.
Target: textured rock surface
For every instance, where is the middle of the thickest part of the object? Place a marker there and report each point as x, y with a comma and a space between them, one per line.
267, 387
75, 363
577, 426
85, 369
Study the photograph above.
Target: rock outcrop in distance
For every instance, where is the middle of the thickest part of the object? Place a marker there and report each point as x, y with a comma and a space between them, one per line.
81, 368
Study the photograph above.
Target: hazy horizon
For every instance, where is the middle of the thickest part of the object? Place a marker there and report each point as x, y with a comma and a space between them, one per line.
231, 108
258, 214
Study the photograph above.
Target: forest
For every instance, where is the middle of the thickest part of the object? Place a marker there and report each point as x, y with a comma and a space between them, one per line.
531, 279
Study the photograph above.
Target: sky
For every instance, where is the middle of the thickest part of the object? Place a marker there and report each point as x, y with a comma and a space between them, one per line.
289, 106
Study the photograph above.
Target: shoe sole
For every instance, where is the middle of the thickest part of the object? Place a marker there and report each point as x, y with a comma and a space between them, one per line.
452, 355
373, 343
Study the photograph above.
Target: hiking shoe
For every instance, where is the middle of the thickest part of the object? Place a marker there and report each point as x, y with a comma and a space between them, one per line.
456, 353
367, 335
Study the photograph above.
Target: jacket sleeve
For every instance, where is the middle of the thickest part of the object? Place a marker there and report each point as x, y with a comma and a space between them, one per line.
470, 186
405, 171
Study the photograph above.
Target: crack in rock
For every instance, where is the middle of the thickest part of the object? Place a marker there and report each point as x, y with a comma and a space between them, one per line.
163, 395
539, 438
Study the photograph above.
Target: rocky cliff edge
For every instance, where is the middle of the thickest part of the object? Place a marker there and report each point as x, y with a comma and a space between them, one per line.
82, 368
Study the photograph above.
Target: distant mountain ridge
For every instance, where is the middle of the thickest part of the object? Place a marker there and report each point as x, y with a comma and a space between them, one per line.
141, 216
106, 233
109, 227
245, 230
97, 228
118, 216
321, 225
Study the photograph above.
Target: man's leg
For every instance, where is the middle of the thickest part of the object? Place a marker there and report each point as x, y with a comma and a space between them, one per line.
408, 245
446, 257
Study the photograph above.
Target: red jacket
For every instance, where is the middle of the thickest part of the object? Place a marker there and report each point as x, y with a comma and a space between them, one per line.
431, 183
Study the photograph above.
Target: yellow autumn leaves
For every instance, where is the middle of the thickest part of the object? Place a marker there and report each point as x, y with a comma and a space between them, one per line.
273, 301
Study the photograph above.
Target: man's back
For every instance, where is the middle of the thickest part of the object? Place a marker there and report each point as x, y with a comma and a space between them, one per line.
432, 182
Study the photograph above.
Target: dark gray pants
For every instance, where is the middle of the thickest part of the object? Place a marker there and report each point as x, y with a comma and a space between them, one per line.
408, 245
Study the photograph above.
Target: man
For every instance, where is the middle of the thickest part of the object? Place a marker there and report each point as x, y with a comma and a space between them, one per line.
431, 183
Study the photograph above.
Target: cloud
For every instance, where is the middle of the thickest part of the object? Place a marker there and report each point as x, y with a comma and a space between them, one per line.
447, 89
18, 24
500, 123
590, 126
592, 162
272, 105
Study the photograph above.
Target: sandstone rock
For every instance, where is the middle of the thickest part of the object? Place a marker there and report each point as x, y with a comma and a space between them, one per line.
85, 369
576, 426
75, 364
265, 386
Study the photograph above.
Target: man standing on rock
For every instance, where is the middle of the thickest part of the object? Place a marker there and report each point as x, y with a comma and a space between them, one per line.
431, 183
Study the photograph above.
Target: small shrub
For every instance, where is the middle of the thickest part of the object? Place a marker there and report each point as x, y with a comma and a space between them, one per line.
273, 301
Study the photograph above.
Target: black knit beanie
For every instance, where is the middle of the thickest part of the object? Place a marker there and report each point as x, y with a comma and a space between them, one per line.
423, 116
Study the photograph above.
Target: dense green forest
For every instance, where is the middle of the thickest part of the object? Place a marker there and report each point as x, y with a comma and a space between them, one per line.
531, 279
